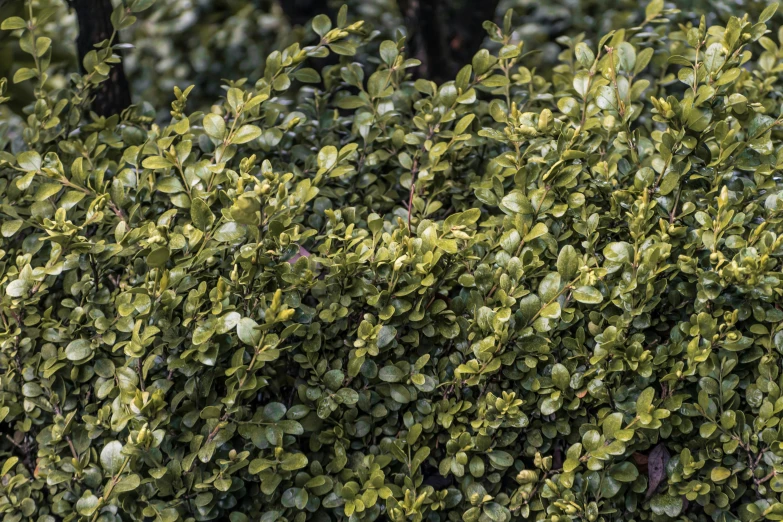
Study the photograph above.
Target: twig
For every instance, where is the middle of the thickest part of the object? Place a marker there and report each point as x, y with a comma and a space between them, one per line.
141, 374
766, 478
25, 452
410, 203
75, 455
216, 429
73, 448
674, 208
414, 173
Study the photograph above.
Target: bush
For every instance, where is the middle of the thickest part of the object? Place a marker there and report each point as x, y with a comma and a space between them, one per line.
347, 295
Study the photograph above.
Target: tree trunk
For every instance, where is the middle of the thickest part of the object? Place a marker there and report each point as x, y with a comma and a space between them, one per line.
113, 95
445, 34
427, 41
468, 31
299, 12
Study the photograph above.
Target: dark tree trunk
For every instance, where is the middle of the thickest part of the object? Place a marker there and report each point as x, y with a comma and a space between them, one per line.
113, 95
427, 41
445, 34
299, 12
469, 31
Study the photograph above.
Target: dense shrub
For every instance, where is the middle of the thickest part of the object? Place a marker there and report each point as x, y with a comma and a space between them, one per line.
199, 42
347, 295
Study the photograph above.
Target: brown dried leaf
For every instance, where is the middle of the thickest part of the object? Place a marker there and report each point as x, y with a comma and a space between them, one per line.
302, 253
640, 459
656, 468
557, 455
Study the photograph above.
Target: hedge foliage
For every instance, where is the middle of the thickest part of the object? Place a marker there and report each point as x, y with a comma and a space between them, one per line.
519, 295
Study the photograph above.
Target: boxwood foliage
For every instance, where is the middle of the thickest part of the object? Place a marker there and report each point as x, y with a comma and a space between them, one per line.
350, 296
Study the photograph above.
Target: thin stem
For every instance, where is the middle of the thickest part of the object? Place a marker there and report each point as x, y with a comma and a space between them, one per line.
109, 489
35, 50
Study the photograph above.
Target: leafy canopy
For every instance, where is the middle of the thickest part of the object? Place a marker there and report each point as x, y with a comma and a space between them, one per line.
348, 295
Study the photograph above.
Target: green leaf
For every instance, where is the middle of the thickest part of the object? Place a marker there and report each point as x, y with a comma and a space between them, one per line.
307, 75
9, 228
343, 48
391, 374
587, 294
245, 134
228, 232
127, 483
463, 123
169, 185
389, 52
293, 462
13, 22
500, 459
30, 161
281, 82
17, 288
719, 474
78, 350
768, 12
227, 322
549, 287
644, 401
158, 257
551, 311
550, 406
581, 83
201, 215
214, 126
606, 98
568, 263
321, 24
327, 158
538, 230
612, 424
624, 472
87, 505
138, 6
203, 332
156, 163
670, 506
584, 55
560, 376
42, 45
112, 457
8, 465
517, 202
653, 9
23, 74
247, 332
